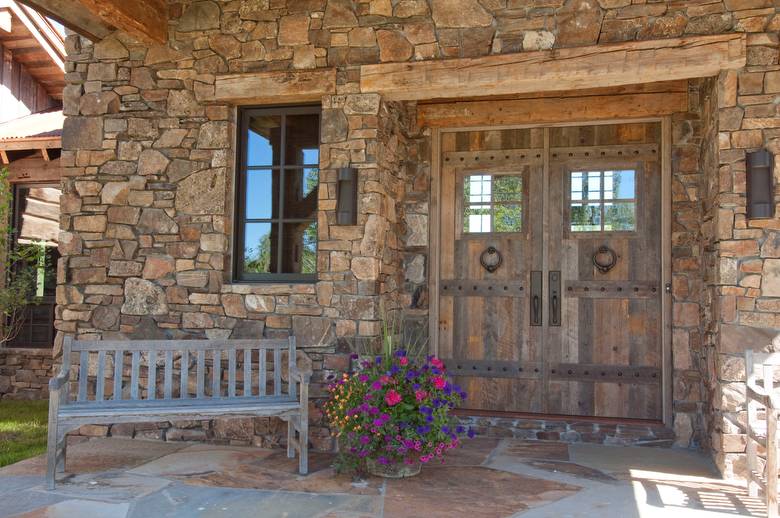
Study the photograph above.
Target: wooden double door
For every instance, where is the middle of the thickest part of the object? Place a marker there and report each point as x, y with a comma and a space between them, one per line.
549, 274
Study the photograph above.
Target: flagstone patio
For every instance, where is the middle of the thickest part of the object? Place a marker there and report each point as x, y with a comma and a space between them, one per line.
111, 477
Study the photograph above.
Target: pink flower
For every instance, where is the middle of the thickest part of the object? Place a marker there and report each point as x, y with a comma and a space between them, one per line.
403, 360
437, 363
439, 382
420, 395
392, 397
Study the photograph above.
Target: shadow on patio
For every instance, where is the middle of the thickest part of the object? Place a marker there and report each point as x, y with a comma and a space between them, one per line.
487, 478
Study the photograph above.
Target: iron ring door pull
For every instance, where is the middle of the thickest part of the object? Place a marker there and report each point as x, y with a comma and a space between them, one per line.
490, 259
604, 259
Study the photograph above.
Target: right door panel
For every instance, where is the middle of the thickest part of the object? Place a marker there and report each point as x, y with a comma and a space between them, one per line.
603, 339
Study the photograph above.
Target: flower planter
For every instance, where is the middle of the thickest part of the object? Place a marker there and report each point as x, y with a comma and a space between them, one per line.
393, 470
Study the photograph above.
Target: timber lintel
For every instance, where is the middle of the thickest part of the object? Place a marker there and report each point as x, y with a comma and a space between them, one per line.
274, 87
558, 69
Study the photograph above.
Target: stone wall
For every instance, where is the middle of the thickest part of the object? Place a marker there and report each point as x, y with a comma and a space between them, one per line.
25, 373
744, 254
147, 205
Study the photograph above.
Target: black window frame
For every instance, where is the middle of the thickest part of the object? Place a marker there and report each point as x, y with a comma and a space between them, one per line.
240, 219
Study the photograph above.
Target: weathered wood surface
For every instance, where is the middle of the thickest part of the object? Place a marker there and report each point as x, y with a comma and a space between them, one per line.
123, 399
604, 359
603, 65
81, 21
762, 401
282, 86
632, 101
146, 20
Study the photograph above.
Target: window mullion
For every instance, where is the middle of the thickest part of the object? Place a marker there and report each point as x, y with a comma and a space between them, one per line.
282, 163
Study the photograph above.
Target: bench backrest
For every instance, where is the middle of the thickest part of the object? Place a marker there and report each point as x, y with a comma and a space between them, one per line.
113, 370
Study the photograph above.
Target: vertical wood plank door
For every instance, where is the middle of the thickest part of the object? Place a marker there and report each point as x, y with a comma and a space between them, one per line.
491, 241
549, 277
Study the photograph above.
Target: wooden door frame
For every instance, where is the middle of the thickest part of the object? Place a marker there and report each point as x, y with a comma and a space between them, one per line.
434, 237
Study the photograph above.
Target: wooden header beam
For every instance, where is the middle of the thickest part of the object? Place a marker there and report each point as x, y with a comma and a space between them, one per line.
31, 143
278, 87
625, 102
558, 69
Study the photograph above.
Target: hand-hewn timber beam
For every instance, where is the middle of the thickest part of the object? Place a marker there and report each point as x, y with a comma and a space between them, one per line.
31, 143
558, 69
146, 20
81, 21
647, 100
283, 86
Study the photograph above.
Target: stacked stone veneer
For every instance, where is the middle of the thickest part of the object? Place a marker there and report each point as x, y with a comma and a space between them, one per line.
147, 204
25, 373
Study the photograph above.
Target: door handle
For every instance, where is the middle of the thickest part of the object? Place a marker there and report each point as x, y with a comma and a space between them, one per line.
555, 298
536, 298
535, 316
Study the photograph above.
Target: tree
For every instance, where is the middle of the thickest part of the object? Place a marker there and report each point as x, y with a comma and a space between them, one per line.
20, 266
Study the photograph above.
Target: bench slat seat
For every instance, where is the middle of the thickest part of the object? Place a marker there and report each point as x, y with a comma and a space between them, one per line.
216, 394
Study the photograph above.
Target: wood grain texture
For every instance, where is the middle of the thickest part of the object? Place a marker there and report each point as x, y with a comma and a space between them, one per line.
283, 86
595, 66
552, 109
146, 20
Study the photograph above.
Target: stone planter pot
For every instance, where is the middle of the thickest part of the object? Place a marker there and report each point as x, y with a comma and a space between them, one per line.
393, 470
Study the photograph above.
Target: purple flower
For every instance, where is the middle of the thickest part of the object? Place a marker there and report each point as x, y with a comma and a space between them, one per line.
382, 460
400, 353
460, 429
385, 417
445, 429
363, 378
378, 422
416, 386
411, 374
373, 410
377, 385
394, 369
378, 360
353, 356
426, 410
471, 433
365, 439
429, 418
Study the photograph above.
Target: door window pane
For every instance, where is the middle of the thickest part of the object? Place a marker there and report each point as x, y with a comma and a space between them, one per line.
492, 203
602, 201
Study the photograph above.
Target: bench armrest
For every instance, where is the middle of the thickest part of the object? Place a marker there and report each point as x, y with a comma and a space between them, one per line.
301, 376
57, 382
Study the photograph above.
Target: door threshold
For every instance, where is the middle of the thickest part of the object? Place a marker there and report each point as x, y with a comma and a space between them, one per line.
557, 417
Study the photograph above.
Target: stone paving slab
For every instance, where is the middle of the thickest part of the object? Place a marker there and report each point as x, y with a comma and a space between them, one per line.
487, 478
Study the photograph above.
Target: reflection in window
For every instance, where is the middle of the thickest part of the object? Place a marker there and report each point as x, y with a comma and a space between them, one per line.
37, 225
278, 198
492, 203
603, 201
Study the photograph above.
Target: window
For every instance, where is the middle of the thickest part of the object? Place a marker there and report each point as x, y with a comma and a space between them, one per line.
492, 203
276, 230
37, 224
603, 201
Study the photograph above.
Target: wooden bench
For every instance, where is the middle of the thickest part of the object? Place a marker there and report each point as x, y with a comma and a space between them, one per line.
110, 388
762, 398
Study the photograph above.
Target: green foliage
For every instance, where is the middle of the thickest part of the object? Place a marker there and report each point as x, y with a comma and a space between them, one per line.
21, 265
22, 430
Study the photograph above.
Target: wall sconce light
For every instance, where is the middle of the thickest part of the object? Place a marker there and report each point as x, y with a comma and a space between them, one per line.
346, 203
760, 185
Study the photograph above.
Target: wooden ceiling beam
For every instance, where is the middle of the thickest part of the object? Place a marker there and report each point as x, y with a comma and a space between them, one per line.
31, 143
146, 20
81, 21
558, 69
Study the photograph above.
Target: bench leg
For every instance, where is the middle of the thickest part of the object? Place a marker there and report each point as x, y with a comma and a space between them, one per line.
303, 442
290, 437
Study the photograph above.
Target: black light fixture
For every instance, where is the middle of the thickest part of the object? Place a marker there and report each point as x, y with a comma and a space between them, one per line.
760, 185
346, 203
